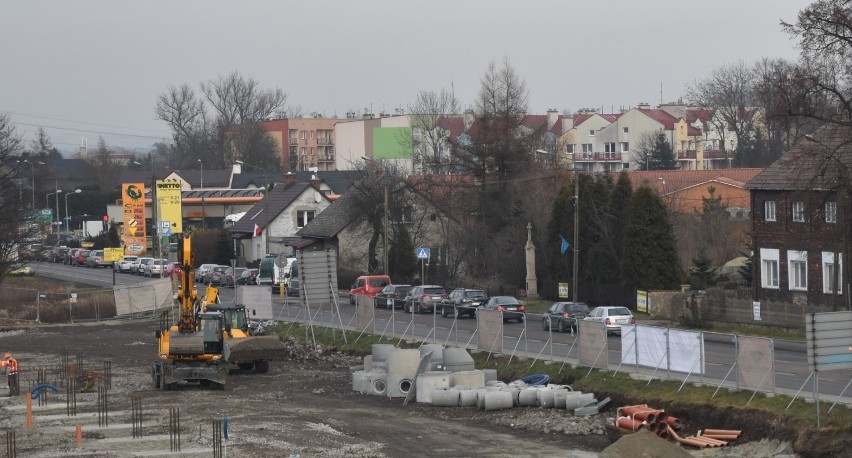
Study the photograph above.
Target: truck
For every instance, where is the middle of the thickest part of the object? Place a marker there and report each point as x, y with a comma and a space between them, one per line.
209, 339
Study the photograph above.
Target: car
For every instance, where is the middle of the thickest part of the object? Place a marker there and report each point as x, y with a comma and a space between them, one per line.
292, 287
57, 254
424, 298
69, 256
124, 264
138, 266
248, 277
511, 308
202, 270
563, 316
463, 301
173, 269
215, 276
611, 317
80, 257
368, 285
392, 296
155, 267
20, 269
231, 276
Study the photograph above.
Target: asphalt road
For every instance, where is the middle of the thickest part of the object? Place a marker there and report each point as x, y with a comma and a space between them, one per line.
790, 361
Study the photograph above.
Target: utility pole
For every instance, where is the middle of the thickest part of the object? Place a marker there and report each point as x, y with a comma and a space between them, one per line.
385, 230
576, 232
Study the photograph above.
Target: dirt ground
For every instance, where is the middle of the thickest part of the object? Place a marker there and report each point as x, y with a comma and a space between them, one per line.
303, 406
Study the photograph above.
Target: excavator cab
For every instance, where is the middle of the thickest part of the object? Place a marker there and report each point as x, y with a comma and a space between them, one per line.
211, 325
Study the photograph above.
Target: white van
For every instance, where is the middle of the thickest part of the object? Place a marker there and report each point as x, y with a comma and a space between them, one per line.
274, 270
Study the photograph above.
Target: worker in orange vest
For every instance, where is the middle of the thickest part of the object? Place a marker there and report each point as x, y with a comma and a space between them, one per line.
11, 365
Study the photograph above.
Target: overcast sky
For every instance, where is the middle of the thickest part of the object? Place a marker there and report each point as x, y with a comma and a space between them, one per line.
95, 68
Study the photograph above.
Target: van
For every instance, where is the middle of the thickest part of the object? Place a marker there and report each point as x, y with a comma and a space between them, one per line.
274, 269
368, 285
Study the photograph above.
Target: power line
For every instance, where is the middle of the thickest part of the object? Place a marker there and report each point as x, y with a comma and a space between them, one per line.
92, 131
76, 122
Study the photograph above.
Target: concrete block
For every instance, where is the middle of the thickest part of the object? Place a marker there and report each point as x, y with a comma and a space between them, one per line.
398, 386
380, 352
403, 362
472, 379
490, 375
430, 381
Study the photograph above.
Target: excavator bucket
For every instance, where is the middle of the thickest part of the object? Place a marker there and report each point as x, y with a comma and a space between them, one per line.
255, 348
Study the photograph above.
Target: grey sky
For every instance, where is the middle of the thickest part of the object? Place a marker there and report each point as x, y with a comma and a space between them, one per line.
96, 67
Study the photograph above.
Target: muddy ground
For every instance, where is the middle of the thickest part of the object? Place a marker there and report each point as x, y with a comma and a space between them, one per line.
302, 406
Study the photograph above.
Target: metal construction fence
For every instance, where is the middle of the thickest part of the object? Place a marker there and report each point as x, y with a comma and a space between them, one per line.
652, 352
67, 306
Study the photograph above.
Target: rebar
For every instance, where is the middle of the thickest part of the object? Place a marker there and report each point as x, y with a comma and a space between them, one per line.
11, 444
71, 397
106, 381
217, 439
174, 429
103, 406
136, 415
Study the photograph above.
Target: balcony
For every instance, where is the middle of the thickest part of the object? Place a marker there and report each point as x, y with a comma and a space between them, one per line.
689, 154
597, 157
294, 141
325, 141
692, 155
326, 158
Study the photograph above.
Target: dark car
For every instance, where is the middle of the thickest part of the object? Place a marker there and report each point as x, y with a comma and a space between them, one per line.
173, 269
231, 275
248, 277
69, 256
563, 316
512, 309
392, 296
80, 257
463, 301
425, 298
57, 254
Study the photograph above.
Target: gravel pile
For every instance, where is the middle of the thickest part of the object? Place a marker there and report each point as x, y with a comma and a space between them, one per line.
551, 421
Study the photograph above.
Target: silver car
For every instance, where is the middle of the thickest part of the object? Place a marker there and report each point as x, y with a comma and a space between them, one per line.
124, 264
612, 317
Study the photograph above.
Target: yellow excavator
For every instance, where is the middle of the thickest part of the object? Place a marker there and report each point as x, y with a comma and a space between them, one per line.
209, 339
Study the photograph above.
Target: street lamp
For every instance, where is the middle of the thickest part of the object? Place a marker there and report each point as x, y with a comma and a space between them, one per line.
201, 189
266, 187
68, 218
32, 169
47, 203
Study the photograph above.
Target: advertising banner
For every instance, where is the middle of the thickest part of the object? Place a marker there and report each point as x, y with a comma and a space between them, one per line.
169, 211
133, 218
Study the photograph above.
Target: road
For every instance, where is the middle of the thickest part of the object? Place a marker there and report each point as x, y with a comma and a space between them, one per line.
790, 362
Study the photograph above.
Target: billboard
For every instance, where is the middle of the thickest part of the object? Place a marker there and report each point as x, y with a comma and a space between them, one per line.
133, 218
169, 211
392, 143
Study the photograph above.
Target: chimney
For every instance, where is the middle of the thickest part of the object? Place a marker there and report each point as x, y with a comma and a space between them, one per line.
289, 178
552, 117
644, 106
315, 181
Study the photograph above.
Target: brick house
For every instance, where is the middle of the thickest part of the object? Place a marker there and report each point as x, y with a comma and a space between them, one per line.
800, 227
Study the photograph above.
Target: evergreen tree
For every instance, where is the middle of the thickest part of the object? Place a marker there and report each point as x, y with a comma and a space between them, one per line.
651, 260
224, 247
402, 261
655, 152
619, 212
702, 273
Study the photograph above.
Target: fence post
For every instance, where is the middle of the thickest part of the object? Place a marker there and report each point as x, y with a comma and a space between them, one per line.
38, 306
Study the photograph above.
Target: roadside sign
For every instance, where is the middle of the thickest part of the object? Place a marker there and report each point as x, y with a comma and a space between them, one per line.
113, 254
422, 252
829, 340
563, 290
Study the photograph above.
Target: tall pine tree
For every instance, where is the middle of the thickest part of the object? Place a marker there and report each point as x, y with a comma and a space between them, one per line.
651, 260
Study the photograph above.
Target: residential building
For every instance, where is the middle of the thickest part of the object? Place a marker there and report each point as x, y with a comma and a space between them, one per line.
684, 190
359, 138
304, 143
800, 224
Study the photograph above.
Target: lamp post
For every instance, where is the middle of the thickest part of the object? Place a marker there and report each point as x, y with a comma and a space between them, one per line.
32, 169
68, 218
47, 203
266, 187
201, 189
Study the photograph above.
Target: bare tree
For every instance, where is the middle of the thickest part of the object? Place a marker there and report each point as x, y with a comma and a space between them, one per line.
14, 228
185, 114
654, 152
429, 114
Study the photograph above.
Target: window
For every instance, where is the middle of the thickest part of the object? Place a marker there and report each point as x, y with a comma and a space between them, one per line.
831, 276
587, 147
569, 148
625, 146
831, 212
799, 212
609, 147
302, 133
769, 210
312, 135
769, 268
304, 217
797, 267
591, 132
625, 130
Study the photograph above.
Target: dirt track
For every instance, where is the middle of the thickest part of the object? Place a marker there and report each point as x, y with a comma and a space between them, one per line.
302, 406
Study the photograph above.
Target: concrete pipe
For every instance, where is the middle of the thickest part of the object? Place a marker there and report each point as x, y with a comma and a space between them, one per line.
480, 399
473, 379
575, 401
497, 400
494, 383
559, 396
545, 398
490, 375
403, 362
430, 381
445, 398
359, 379
528, 397
467, 398
514, 392
379, 385
398, 386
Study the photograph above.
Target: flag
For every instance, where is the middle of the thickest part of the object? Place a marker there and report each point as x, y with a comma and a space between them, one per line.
565, 245
257, 231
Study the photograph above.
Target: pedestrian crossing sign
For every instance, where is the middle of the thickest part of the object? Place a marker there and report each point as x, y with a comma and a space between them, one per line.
422, 252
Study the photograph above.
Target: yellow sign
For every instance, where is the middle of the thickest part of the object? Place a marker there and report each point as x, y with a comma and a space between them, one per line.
563, 290
113, 254
133, 217
169, 210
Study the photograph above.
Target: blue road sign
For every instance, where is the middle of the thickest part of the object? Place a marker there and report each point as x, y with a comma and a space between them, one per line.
422, 252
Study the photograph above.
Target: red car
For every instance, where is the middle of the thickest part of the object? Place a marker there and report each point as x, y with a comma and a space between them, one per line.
80, 258
173, 268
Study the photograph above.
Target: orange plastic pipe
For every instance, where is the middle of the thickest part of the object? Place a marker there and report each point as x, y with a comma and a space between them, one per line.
79, 436
630, 424
724, 437
712, 441
706, 440
643, 413
674, 422
726, 432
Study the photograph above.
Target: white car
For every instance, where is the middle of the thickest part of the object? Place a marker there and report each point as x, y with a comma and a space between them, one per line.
125, 263
155, 267
137, 267
611, 317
